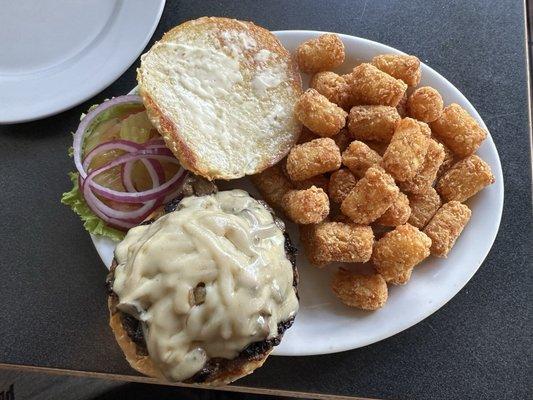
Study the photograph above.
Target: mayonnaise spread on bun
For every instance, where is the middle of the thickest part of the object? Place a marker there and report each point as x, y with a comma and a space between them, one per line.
206, 280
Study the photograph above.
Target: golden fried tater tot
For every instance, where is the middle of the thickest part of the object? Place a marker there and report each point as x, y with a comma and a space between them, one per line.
458, 130
332, 86
326, 52
370, 197
465, 179
313, 158
425, 104
272, 184
320, 115
397, 214
341, 183
337, 242
372, 86
398, 251
358, 157
404, 67
428, 171
342, 139
425, 129
308, 206
367, 292
373, 122
319, 181
423, 207
446, 226
407, 150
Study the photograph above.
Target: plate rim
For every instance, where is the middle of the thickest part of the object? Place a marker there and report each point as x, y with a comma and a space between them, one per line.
400, 327
62, 105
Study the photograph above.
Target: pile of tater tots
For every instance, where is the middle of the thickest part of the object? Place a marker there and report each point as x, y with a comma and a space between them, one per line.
380, 173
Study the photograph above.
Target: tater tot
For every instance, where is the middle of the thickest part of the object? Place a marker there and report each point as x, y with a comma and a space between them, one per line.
337, 242
313, 158
425, 129
372, 86
332, 86
358, 157
423, 207
308, 206
342, 139
425, 104
319, 181
272, 184
367, 292
320, 115
465, 179
326, 52
373, 122
399, 251
458, 130
341, 183
428, 171
397, 214
370, 197
404, 67
407, 150
446, 226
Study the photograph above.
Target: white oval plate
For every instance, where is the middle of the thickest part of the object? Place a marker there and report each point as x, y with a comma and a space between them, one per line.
56, 54
324, 325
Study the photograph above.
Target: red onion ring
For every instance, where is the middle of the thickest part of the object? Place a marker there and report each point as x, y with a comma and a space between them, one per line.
135, 197
89, 118
151, 154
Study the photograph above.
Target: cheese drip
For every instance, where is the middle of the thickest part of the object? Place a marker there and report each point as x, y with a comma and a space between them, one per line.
205, 280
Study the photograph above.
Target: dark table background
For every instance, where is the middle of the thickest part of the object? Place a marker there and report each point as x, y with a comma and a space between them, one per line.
53, 300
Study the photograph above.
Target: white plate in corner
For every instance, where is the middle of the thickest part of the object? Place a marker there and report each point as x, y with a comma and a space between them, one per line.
55, 54
323, 325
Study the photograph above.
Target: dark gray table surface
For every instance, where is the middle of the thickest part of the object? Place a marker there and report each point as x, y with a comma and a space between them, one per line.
53, 300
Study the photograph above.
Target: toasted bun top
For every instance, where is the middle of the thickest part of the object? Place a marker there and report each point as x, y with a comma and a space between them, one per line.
222, 94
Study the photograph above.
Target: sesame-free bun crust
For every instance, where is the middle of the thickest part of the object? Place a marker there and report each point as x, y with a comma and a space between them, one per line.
222, 92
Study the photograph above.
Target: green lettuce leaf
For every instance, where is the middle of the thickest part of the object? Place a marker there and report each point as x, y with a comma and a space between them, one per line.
91, 222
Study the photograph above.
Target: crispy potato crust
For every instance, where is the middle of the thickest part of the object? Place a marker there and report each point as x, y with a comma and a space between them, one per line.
397, 214
446, 226
373, 122
323, 53
465, 179
407, 150
371, 86
458, 130
371, 196
398, 251
428, 171
320, 115
367, 292
313, 158
308, 206
404, 67
425, 104
337, 242
423, 207
341, 183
